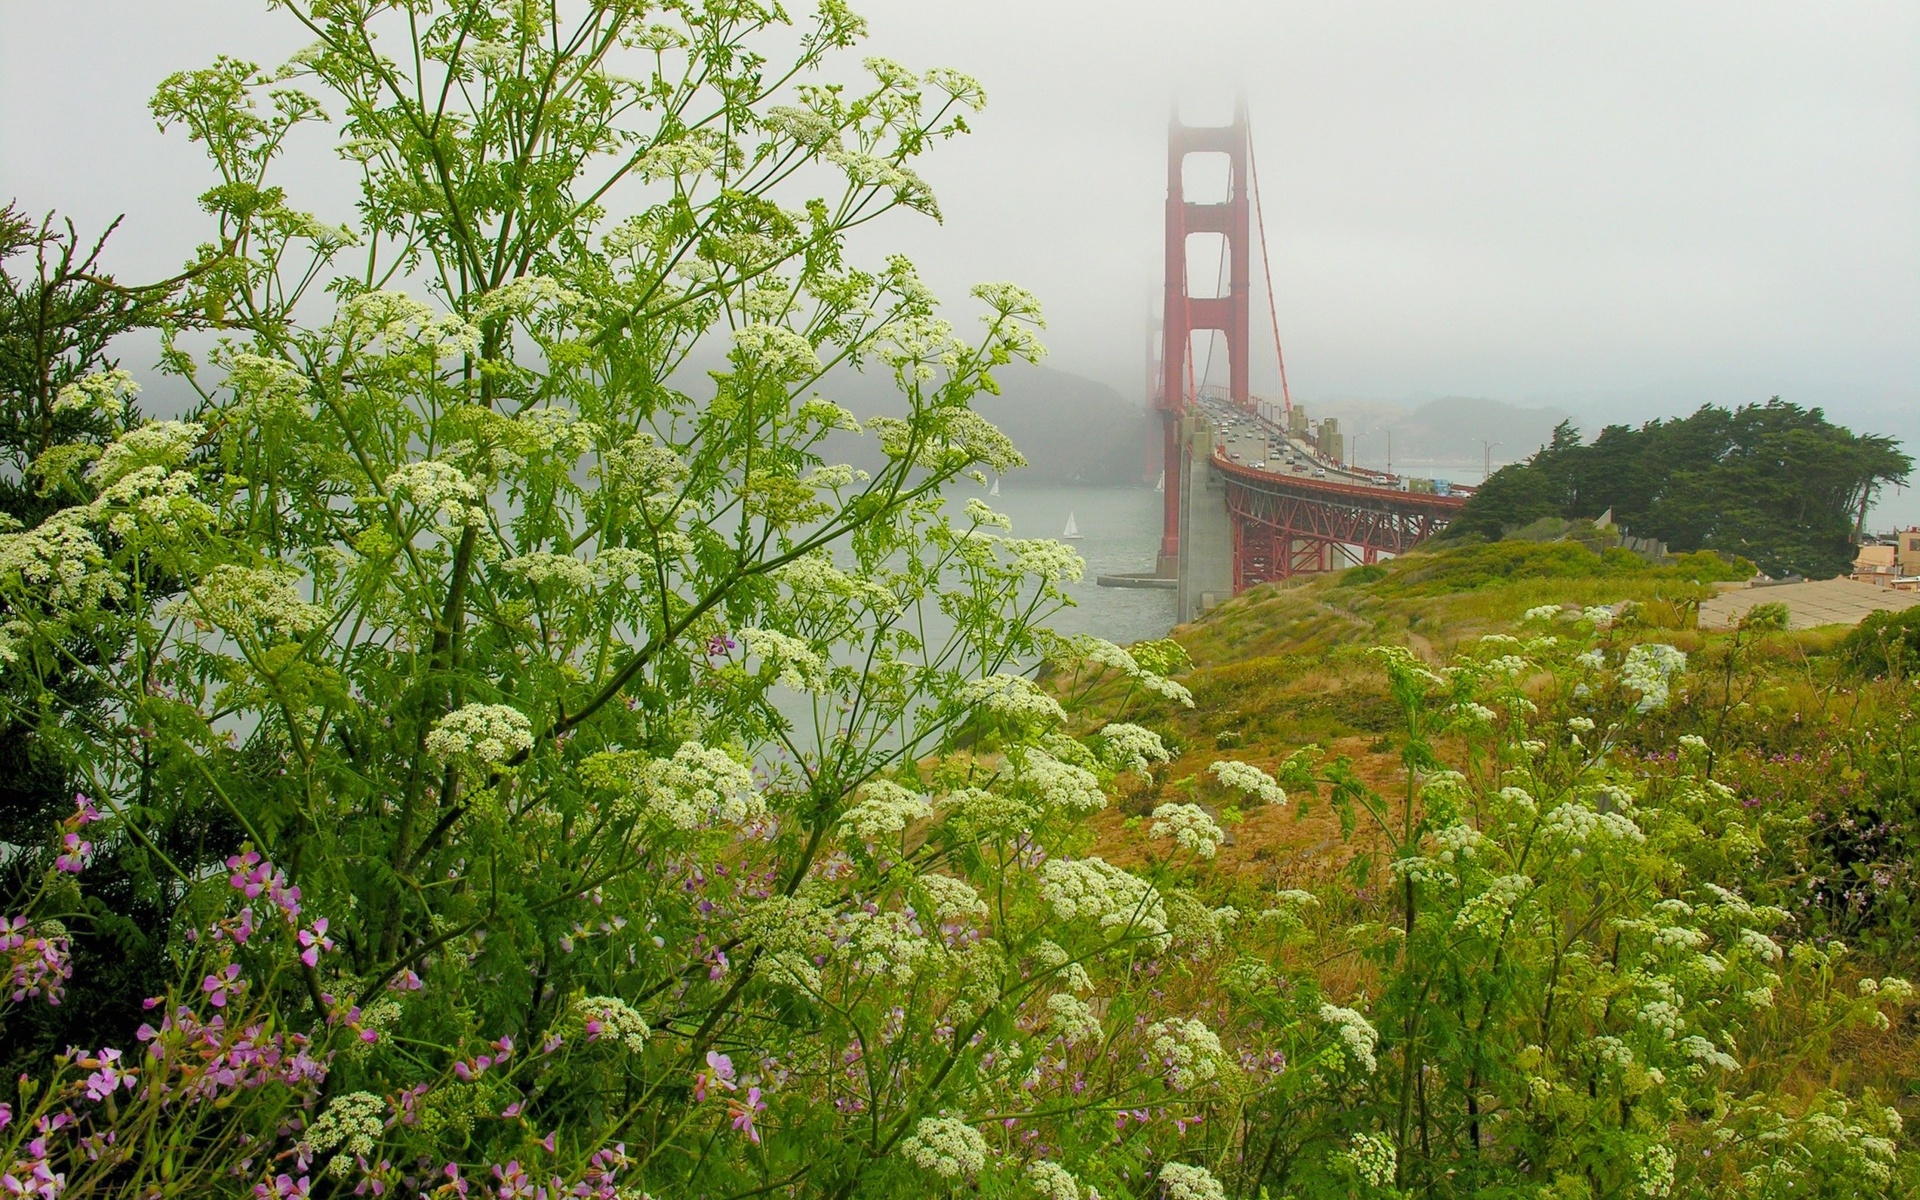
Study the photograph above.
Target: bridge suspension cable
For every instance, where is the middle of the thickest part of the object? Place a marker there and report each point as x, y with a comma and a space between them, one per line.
1266, 265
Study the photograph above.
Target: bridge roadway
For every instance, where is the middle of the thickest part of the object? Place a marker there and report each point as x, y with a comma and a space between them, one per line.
1258, 505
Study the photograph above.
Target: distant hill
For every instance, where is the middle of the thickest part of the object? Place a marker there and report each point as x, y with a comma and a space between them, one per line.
1071, 429
1447, 431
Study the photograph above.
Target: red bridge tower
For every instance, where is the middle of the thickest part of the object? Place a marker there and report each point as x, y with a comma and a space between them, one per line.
1183, 313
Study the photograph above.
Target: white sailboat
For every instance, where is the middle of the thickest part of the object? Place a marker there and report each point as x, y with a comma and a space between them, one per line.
1073, 531
995, 489
1161, 486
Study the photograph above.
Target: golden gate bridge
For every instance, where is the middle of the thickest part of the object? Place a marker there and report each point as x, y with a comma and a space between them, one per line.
1255, 491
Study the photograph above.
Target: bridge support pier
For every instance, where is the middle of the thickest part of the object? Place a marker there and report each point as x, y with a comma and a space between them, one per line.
1206, 547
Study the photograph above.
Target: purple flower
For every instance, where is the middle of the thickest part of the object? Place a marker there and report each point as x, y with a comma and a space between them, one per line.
223, 984
743, 1111
75, 854
719, 644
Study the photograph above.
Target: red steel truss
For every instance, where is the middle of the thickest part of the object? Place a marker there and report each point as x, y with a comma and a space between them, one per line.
1289, 526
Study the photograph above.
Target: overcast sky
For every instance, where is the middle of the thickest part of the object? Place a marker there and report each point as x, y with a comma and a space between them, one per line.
1624, 208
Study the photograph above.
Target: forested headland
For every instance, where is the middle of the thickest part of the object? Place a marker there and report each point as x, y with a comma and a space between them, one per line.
1773, 482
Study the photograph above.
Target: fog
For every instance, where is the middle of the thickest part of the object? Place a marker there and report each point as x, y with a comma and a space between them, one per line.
1621, 209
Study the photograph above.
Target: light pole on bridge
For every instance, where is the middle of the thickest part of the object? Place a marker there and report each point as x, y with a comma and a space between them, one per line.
1486, 468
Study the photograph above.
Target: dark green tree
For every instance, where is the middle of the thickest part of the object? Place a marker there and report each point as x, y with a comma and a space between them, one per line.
61, 314
1773, 482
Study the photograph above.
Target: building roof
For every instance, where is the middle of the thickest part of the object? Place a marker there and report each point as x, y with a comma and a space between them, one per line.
1817, 602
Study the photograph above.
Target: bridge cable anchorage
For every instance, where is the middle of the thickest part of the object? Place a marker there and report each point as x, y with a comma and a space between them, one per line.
1266, 265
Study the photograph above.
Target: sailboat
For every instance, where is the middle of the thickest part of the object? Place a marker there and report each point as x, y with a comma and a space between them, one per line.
995, 489
1161, 486
1073, 531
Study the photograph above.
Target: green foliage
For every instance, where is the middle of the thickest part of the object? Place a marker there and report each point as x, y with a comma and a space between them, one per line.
1886, 643
1772, 482
1492, 564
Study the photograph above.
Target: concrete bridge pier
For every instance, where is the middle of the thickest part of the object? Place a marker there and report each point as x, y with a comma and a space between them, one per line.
1206, 530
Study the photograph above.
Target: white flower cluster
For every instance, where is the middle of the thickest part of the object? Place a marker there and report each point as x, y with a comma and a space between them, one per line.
489, 733
700, 785
1760, 945
642, 468
1357, 1035
1072, 1019
802, 125
798, 665
60, 562
1478, 714
437, 487
1102, 653
814, 577
1484, 913
979, 514
1371, 1157
1062, 784
1599, 615
1663, 1017
1052, 1181
1184, 1182
164, 444
824, 413
946, 1146
352, 1124
674, 159
1611, 1050
1704, 1051
1653, 1169
270, 387
1248, 779
1014, 697
885, 808
952, 898
884, 942
1047, 559
1131, 748
1188, 1051
1459, 840
986, 812
543, 567
1189, 826
523, 296
1509, 665
105, 392
1578, 825
1679, 937
244, 600
1649, 669
404, 325
1166, 688
776, 351
1543, 612
1103, 893
1051, 957
613, 1019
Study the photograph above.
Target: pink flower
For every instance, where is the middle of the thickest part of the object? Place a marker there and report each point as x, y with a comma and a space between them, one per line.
226, 983
743, 1111
75, 855
719, 1073
313, 941
284, 1187
102, 1082
511, 1182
